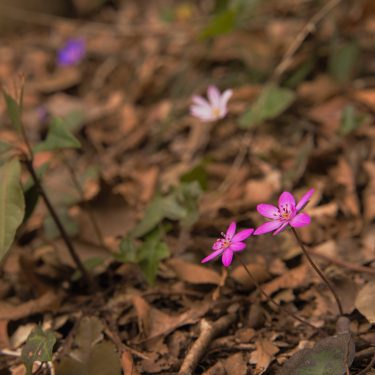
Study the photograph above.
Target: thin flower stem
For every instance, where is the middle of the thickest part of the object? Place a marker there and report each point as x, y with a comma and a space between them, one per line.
92, 217
270, 299
60, 226
318, 271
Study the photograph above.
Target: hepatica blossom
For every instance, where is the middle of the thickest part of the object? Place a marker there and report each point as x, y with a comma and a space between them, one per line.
229, 244
286, 214
72, 52
215, 108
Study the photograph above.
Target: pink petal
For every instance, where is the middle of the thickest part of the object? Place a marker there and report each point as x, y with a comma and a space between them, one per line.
242, 235
200, 110
237, 246
286, 199
213, 94
212, 256
300, 220
231, 230
199, 100
283, 226
227, 257
224, 99
218, 244
268, 227
268, 210
304, 200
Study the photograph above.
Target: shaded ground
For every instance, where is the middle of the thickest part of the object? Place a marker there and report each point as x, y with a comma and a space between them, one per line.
127, 102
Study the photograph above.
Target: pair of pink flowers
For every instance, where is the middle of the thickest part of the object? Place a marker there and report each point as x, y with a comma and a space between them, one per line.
287, 213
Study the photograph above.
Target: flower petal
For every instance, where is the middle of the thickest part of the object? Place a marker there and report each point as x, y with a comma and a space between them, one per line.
226, 95
268, 227
213, 94
304, 200
202, 113
300, 220
237, 246
242, 235
286, 199
218, 244
268, 210
282, 227
227, 257
231, 230
211, 256
199, 100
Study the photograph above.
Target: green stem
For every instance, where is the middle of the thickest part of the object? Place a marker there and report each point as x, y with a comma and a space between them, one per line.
318, 271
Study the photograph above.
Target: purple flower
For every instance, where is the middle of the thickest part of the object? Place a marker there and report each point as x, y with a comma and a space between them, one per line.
286, 214
229, 244
72, 52
214, 108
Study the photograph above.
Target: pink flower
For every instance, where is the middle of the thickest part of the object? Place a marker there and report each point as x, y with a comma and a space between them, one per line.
286, 214
214, 108
229, 244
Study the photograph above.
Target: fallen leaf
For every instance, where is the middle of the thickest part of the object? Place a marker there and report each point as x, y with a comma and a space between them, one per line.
263, 355
365, 301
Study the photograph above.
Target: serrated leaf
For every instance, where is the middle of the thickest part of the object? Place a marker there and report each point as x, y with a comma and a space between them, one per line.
329, 357
272, 101
38, 347
58, 137
152, 251
222, 23
12, 203
14, 112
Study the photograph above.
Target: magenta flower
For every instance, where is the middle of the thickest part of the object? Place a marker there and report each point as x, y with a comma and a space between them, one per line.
214, 108
72, 52
286, 214
229, 244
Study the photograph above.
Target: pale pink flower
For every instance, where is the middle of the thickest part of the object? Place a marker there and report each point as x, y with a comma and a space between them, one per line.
286, 214
215, 108
228, 244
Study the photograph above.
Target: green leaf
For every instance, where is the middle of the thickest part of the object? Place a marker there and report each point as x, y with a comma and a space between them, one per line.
58, 137
12, 203
222, 23
350, 120
328, 357
343, 60
128, 251
272, 101
197, 173
91, 355
14, 112
152, 251
38, 347
31, 200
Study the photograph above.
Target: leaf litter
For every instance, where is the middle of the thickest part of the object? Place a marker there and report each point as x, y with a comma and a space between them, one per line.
167, 184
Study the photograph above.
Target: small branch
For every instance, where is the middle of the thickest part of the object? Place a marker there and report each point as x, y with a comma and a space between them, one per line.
318, 271
301, 36
208, 332
89, 280
368, 367
271, 300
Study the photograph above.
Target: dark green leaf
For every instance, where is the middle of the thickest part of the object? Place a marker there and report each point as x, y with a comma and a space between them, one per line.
328, 357
272, 101
12, 203
14, 112
350, 120
199, 174
152, 251
38, 347
222, 23
343, 61
58, 137
31, 200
